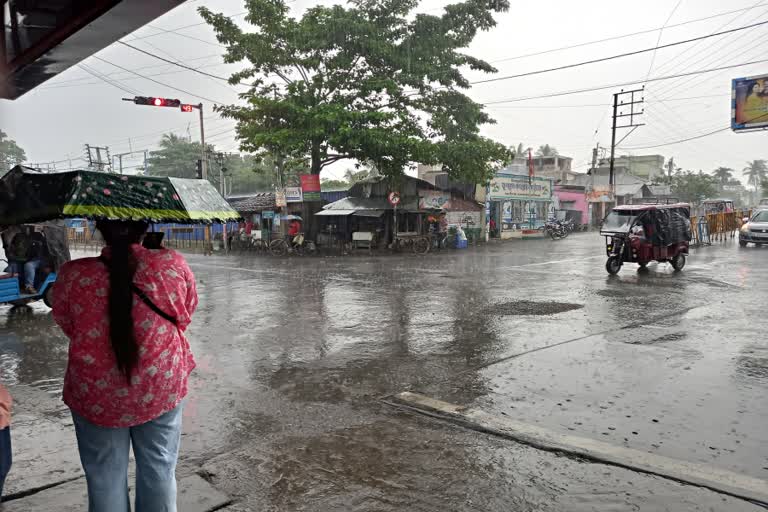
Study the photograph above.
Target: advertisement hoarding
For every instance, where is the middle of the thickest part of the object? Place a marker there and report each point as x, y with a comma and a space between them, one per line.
310, 187
433, 199
749, 103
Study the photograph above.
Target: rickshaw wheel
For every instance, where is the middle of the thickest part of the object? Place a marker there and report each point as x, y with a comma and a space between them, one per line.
613, 265
48, 296
678, 262
421, 245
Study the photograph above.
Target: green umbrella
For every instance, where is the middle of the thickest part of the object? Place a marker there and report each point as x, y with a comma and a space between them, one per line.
27, 196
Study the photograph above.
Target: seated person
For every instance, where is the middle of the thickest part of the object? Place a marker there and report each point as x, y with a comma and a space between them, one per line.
36, 255
17, 252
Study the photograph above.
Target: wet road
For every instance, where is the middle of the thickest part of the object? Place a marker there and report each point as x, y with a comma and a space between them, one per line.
293, 355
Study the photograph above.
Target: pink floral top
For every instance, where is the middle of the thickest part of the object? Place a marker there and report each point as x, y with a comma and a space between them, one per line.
93, 386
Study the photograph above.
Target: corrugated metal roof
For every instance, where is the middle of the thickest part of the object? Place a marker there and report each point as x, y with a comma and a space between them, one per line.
338, 212
253, 202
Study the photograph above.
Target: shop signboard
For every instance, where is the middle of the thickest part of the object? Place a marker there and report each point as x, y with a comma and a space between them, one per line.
268, 214
293, 195
310, 187
433, 199
505, 187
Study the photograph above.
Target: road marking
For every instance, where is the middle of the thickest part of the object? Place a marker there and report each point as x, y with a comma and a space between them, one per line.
710, 477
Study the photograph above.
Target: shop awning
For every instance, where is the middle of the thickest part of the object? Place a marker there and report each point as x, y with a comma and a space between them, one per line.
368, 213
338, 213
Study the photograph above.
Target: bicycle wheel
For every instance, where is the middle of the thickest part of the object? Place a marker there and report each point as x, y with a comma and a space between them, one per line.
278, 247
421, 245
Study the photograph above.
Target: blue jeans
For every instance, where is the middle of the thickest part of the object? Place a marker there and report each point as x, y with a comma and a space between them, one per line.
28, 269
5, 456
104, 456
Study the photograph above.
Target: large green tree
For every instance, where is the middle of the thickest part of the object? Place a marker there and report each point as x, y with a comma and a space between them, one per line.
756, 171
243, 174
368, 81
10, 153
176, 157
693, 187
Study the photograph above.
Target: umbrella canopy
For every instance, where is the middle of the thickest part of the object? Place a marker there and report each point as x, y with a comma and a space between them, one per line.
30, 196
291, 217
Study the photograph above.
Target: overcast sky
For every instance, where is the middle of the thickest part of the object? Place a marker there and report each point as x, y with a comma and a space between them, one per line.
53, 122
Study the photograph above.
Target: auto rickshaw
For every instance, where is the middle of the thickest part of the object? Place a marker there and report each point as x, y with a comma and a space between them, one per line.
55, 253
718, 206
644, 233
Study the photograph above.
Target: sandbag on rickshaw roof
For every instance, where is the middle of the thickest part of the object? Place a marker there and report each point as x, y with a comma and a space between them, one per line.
28, 196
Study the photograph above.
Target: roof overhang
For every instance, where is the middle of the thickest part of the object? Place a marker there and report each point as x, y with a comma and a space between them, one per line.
43, 38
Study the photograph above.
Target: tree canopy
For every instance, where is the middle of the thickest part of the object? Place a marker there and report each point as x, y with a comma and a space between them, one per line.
10, 153
367, 81
547, 150
693, 187
756, 171
244, 174
724, 175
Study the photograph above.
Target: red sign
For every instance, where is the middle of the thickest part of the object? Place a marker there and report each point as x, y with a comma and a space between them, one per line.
310, 187
394, 198
187, 107
530, 166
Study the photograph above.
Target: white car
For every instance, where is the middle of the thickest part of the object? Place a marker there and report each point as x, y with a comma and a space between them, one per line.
755, 230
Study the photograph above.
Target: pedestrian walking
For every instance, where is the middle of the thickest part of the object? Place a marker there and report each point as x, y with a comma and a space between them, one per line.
6, 455
125, 314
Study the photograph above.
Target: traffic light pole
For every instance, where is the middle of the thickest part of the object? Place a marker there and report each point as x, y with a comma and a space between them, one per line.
208, 250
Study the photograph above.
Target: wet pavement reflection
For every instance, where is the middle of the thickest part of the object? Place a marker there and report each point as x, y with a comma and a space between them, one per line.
294, 353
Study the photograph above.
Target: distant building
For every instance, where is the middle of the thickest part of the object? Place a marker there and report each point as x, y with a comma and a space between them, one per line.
646, 167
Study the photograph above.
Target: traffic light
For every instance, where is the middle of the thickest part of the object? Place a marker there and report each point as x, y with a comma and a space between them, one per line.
199, 169
156, 102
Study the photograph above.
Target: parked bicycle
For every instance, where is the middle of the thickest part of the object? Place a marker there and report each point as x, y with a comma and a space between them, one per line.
299, 245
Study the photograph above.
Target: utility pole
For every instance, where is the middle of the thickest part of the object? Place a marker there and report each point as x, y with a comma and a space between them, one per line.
98, 163
618, 101
594, 157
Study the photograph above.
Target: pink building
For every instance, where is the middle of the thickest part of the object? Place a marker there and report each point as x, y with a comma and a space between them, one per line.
573, 198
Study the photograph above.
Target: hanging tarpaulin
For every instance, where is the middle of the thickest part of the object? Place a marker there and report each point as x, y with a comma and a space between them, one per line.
30, 196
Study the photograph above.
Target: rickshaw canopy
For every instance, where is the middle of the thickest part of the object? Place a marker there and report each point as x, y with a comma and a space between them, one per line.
28, 196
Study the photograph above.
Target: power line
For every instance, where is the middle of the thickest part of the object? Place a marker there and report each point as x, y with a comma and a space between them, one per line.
614, 38
633, 148
622, 84
180, 64
617, 56
658, 39
159, 82
101, 77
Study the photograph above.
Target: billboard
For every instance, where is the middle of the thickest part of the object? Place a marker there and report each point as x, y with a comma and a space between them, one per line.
310, 187
749, 103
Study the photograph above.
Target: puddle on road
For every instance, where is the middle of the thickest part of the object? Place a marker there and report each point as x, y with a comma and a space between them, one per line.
529, 307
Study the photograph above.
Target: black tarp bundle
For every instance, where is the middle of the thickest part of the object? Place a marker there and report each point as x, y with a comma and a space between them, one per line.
670, 225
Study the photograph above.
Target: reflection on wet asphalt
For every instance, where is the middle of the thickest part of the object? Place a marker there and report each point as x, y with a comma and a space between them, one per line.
293, 353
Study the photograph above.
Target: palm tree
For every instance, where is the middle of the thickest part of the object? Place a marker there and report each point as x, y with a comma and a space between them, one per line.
546, 150
724, 175
756, 171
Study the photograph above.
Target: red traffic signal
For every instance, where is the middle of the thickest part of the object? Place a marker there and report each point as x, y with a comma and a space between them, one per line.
186, 107
156, 102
